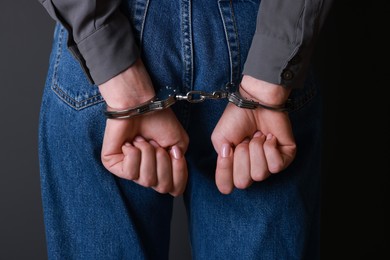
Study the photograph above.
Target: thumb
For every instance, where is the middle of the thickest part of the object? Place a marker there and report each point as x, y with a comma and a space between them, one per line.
224, 170
179, 170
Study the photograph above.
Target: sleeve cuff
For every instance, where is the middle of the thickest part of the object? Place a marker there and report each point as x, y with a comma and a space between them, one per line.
109, 50
275, 61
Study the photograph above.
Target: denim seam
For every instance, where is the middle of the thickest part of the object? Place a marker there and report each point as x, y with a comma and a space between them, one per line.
58, 54
139, 17
231, 37
187, 44
55, 86
143, 21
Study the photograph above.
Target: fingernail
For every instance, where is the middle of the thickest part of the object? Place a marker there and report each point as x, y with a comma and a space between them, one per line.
258, 134
226, 150
176, 152
269, 136
139, 139
127, 144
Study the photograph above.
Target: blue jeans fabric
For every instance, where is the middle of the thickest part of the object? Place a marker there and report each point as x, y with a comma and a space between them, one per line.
91, 214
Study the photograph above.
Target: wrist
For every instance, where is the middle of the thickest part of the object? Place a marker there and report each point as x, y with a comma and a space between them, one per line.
129, 88
263, 92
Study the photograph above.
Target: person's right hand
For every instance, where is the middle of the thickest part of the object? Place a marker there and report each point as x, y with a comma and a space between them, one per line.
148, 149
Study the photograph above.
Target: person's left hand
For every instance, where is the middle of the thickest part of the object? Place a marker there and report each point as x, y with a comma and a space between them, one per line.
252, 144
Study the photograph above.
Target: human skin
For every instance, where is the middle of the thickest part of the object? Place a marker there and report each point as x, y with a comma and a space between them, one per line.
251, 144
134, 148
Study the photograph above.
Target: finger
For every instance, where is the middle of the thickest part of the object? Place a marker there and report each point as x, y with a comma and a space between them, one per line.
114, 136
224, 170
113, 163
273, 155
241, 166
258, 162
148, 173
164, 171
179, 171
112, 155
131, 162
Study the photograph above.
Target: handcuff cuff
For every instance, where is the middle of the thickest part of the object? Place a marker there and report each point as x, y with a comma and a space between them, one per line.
168, 96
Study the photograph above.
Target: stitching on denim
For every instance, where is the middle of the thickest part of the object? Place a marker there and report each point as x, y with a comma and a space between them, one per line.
187, 44
232, 42
143, 22
55, 86
78, 105
137, 11
58, 55
236, 68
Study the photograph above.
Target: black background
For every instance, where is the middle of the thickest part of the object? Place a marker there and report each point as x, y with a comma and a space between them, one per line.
353, 60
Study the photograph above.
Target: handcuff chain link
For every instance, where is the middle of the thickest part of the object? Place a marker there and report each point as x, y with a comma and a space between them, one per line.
196, 96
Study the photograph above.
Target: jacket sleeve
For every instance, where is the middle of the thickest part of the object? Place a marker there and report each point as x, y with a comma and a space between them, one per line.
284, 40
100, 35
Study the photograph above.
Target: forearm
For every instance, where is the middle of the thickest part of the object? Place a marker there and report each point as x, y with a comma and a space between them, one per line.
100, 35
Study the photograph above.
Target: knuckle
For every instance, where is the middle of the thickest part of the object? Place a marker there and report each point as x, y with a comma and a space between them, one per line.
131, 175
163, 188
177, 192
213, 137
276, 167
148, 181
225, 164
148, 149
161, 154
242, 147
107, 161
242, 183
186, 139
255, 143
259, 175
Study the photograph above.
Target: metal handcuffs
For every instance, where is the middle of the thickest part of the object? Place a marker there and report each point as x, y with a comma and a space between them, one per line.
169, 96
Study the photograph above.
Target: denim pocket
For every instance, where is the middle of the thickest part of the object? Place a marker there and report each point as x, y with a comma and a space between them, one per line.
69, 81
